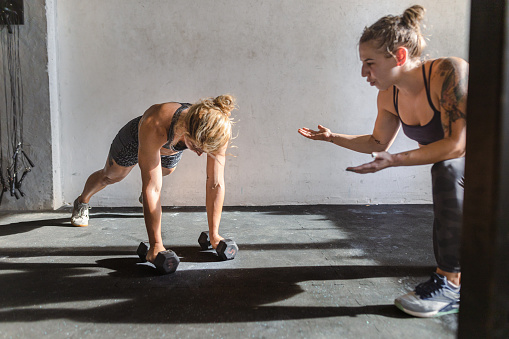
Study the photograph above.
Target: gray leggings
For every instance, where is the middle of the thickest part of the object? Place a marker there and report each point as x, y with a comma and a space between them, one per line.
124, 148
447, 177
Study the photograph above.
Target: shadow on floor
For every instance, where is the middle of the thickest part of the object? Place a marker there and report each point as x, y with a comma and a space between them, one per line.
120, 290
130, 292
27, 226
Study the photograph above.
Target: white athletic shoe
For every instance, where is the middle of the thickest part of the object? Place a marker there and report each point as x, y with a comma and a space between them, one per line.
80, 214
432, 298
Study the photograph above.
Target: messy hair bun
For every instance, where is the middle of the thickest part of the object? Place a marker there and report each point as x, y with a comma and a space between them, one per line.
392, 32
209, 124
226, 103
413, 16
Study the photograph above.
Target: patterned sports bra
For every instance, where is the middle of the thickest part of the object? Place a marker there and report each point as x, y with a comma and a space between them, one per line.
180, 146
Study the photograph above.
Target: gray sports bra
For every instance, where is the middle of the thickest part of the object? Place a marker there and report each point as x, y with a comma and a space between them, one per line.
180, 146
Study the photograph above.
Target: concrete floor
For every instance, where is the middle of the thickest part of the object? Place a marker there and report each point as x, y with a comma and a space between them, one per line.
301, 272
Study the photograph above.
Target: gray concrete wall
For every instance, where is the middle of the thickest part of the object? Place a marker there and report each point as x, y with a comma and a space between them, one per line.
290, 63
38, 185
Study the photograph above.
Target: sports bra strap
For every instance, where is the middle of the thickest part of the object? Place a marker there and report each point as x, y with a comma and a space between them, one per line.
427, 85
395, 94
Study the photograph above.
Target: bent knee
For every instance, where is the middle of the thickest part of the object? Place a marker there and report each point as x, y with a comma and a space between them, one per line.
168, 171
109, 178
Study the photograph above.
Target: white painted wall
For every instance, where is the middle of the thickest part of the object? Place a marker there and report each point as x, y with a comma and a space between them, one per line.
290, 63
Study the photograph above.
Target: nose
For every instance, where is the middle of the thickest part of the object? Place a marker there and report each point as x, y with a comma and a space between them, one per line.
364, 71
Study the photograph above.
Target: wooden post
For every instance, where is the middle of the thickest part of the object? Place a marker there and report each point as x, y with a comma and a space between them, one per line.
484, 310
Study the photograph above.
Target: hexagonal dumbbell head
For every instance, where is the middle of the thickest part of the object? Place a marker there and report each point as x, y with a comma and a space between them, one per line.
204, 241
227, 249
166, 262
143, 250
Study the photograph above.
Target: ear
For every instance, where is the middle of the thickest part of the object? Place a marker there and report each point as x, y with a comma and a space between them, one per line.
401, 56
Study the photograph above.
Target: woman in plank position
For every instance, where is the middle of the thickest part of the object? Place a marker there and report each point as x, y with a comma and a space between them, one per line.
156, 141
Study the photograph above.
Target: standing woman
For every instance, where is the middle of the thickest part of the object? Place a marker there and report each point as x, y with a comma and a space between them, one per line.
428, 99
156, 140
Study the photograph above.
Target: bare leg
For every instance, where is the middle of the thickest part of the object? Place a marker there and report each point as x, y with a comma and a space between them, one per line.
110, 174
167, 171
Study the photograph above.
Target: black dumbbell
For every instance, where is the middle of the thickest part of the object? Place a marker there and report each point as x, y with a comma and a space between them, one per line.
226, 250
166, 261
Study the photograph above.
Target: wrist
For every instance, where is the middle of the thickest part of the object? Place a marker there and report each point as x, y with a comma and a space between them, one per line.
396, 160
156, 244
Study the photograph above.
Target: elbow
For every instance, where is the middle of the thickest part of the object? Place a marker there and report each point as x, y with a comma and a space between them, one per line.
458, 150
381, 148
458, 153
215, 185
380, 145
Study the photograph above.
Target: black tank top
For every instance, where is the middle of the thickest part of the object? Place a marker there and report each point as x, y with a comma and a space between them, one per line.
180, 146
433, 130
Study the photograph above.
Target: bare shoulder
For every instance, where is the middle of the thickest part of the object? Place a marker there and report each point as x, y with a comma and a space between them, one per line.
169, 107
442, 66
449, 78
447, 69
160, 114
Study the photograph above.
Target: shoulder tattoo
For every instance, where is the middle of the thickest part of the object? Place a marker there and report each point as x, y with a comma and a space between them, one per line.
453, 94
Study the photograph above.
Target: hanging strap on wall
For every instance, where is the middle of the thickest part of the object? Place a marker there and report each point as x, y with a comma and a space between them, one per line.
14, 161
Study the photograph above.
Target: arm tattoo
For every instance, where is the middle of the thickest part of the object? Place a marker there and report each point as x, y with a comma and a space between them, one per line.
454, 92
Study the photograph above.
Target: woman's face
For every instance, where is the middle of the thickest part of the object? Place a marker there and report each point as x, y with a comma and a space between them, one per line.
192, 146
378, 70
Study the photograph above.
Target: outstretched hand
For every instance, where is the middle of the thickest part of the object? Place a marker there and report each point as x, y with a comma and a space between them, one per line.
382, 160
323, 133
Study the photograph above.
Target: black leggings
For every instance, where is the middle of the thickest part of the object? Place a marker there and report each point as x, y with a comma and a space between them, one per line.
447, 178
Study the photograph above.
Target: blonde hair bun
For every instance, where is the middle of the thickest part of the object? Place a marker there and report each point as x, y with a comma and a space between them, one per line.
226, 103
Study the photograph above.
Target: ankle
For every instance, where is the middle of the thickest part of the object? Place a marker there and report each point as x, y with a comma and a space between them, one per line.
452, 277
81, 200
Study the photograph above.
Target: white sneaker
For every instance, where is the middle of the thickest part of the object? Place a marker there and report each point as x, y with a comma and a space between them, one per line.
80, 214
432, 298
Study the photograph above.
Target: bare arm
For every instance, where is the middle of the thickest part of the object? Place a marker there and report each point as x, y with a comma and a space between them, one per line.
382, 137
215, 190
151, 137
